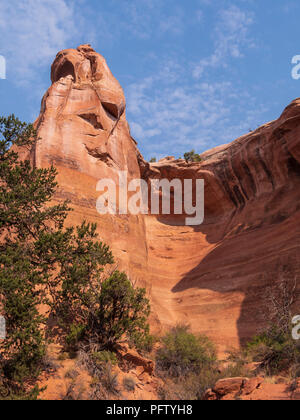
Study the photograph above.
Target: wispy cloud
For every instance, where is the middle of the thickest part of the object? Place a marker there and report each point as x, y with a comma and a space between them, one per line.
145, 19
34, 31
231, 37
174, 109
170, 114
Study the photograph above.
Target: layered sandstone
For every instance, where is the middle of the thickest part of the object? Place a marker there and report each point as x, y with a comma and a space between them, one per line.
212, 276
84, 133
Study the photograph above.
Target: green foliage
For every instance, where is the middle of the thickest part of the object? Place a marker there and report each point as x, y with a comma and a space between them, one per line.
122, 309
103, 357
74, 261
189, 387
275, 350
274, 347
152, 160
192, 156
17, 393
76, 333
107, 308
24, 216
183, 352
143, 341
43, 263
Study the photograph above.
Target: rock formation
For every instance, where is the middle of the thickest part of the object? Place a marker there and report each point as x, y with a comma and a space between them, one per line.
254, 389
212, 276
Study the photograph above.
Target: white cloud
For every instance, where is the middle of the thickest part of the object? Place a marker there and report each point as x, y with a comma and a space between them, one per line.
231, 37
34, 31
145, 19
174, 115
169, 111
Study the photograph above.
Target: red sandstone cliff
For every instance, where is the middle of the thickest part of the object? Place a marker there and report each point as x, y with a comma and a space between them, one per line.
212, 276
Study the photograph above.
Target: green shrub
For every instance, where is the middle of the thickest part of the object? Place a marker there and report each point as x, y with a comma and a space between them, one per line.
143, 342
76, 333
104, 310
123, 309
183, 352
192, 156
275, 350
189, 387
104, 357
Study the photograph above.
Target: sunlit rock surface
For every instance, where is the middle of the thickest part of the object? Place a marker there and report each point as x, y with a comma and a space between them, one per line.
212, 276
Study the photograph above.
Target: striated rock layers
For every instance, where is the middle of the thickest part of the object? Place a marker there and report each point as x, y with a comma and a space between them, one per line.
212, 276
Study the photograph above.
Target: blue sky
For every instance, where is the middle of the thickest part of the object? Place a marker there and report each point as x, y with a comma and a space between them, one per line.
196, 73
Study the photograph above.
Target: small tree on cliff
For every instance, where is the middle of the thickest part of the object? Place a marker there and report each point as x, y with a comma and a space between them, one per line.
192, 157
90, 306
42, 263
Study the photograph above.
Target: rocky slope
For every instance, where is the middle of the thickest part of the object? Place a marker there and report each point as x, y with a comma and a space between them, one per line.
254, 389
212, 276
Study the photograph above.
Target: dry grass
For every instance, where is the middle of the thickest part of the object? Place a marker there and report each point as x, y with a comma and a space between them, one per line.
129, 383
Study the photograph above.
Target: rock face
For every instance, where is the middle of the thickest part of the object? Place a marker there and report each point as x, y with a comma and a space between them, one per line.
84, 133
212, 276
249, 389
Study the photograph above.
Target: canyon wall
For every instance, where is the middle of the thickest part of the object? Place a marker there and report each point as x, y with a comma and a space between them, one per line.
213, 276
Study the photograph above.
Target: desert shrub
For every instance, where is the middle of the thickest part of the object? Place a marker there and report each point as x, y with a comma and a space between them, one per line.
123, 309
143, 342
191, 386
9, 392
49, 364
74, 392
75, 335
275, 350
91, 309
236, 369
104, 357
192, 156
274, 346
100, 366
183, 352
109, 379
188, 366
105, 384
129, 383
72, 374
152, 160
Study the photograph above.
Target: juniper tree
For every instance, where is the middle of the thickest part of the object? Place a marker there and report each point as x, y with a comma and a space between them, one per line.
44, 265
92, 306
24, 215
192, 157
